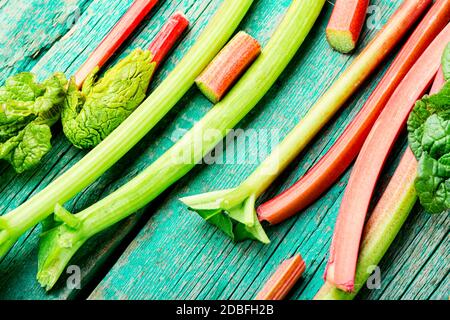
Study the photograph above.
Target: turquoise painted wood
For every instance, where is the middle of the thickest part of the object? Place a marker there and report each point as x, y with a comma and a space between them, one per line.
166, 252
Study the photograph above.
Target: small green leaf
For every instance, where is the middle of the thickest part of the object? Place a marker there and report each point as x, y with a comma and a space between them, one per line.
28, 110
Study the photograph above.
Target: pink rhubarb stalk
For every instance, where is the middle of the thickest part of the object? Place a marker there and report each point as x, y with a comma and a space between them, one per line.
346, 23
283, 280
347, 234
325, 173
116, 37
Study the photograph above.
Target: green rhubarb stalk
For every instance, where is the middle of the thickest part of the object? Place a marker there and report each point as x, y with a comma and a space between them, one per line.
234, 209
59, 244
381, 229
133, 129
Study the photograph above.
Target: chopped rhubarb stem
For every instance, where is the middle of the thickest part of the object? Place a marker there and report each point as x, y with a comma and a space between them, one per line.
325, 173
228, 66
352, 214
346, 23
283, 280
169, 35
115, 38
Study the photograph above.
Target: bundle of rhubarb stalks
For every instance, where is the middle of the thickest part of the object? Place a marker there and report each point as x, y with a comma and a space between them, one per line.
110, 115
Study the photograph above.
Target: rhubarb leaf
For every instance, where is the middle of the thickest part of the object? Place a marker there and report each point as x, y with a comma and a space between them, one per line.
27, 111
446, 63
423, 121
429, 138
90, 115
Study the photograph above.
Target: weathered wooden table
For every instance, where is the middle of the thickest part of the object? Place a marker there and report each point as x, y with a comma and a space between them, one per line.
166, 252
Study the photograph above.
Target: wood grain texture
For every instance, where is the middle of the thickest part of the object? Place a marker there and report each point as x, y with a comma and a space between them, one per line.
166, 252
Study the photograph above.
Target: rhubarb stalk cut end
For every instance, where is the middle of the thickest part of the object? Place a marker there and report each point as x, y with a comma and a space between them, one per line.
283, 280
169, 35
346, 23
341, 40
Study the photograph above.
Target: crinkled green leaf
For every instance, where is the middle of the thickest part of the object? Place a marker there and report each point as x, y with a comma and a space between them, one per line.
25, 150
27, 111
91, 114
420, 124
429, 139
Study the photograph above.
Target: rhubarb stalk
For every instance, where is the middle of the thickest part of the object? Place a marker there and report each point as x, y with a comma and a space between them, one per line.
383, 226
238, 203
131, 131
115, 38
346, 23
60, 244
386, 220
347, 234
166, 39
322, 176
283, 280
228, 66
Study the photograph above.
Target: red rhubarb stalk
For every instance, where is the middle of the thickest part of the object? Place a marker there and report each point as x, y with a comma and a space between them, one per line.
169, 35
283, 280
388, 217
116, 37
324, 174
228, 66
347, 234
346, 23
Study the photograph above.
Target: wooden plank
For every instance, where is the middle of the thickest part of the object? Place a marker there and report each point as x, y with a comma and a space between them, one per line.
177, 255
29, 29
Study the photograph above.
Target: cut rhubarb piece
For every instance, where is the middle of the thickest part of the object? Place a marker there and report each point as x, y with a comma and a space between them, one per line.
115, 38
169, 35
347, 234
383, 226
346, 23
283, 280
325, 173
228, 66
